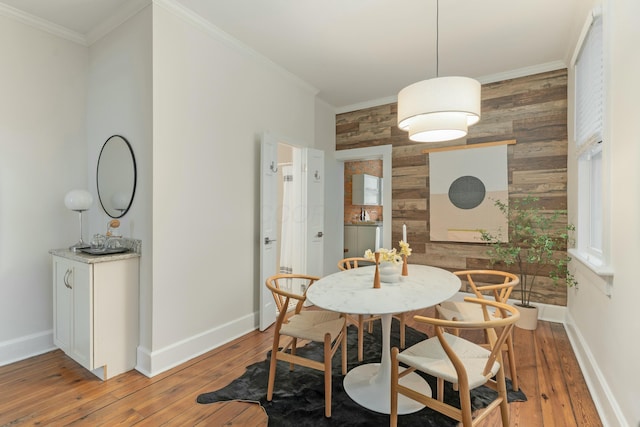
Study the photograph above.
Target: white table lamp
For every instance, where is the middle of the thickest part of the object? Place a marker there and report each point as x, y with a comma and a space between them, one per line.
79, 201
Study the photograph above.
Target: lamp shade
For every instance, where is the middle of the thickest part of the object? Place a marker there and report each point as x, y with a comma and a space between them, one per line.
439, 109
438, 127
78, 200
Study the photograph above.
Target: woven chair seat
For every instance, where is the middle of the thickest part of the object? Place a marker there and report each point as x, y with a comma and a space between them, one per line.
429, 356
313, 325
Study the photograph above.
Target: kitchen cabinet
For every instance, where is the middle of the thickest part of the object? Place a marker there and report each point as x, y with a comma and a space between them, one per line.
95, 310
360, 237
366, 190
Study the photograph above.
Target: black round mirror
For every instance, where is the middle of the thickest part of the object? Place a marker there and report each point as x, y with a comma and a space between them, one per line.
116, 176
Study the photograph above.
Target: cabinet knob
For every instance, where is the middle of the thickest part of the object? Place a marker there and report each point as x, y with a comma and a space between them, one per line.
320, 234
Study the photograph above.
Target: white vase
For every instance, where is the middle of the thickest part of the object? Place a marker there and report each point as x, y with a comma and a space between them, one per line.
390, 272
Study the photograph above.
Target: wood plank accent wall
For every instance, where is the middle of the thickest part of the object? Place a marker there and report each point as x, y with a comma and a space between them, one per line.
532, 110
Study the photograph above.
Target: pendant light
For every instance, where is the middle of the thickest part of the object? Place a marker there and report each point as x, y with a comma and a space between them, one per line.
439, 109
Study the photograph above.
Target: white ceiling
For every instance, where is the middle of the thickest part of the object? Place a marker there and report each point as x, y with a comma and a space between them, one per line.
358, 51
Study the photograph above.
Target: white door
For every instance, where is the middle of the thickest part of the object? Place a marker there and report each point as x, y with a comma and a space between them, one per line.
315, 211
268, 226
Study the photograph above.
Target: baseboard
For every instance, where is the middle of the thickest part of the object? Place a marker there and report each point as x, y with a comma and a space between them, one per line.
606, 405
549, 312
24, 347
151, 363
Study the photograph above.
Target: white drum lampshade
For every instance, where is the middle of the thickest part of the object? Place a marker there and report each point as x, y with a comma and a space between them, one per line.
79, 201
439, 109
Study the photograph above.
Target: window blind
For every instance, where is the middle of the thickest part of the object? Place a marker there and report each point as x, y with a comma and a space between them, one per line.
589, 74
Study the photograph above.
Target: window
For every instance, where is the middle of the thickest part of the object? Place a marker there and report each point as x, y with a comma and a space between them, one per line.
590, 144
590, 227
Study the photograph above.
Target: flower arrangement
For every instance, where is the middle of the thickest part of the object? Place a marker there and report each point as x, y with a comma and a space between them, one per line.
390, 255
404, 248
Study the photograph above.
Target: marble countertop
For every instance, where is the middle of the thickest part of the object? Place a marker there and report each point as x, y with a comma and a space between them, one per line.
134, 246
351, 291
91, 259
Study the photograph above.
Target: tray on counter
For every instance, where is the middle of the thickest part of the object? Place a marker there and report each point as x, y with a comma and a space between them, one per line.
104, 251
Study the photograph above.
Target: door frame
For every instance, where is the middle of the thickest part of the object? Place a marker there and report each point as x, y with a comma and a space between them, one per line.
383, 152
266, 305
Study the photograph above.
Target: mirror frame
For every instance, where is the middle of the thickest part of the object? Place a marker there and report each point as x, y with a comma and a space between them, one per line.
135, 176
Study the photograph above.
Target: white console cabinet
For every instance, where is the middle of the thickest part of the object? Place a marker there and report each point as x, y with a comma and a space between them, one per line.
95, 310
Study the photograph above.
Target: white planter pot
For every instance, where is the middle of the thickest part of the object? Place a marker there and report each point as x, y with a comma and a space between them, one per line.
528, 318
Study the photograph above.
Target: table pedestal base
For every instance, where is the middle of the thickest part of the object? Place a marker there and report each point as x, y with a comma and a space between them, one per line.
373, 391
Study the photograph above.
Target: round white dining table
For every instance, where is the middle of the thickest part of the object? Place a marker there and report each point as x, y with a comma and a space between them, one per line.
352, 291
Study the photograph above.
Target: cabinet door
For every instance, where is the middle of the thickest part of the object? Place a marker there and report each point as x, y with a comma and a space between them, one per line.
72, 308
82, 350
365, 190
366, 238
371, 190
62, 303
351, 241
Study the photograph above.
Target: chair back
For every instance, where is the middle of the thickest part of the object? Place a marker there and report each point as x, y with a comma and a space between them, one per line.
490, 323
283, 296
354, 262
498, 283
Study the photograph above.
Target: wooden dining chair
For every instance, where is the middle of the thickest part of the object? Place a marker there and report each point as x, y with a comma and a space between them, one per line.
454, 359
322, 326
361, 320
484, 283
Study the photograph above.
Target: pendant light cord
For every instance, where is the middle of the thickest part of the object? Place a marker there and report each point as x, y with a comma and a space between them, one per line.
437, 38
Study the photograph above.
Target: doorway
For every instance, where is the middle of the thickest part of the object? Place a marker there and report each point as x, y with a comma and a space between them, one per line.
291, 216
291, 249
384, 153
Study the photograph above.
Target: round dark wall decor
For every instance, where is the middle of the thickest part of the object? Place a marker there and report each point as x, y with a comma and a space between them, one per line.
467, 192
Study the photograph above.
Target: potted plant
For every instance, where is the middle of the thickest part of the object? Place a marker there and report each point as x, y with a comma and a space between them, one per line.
534, 245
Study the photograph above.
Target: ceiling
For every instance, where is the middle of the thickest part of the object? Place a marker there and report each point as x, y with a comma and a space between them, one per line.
357, 52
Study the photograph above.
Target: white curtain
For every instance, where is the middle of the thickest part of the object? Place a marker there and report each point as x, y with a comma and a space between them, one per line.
287, 232
292, 234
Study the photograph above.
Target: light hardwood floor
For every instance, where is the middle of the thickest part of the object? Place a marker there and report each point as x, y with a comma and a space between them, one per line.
51, 389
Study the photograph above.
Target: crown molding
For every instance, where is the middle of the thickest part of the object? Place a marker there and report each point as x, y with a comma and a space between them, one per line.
126, 12
367, 104
193, 18
123, 14
491, 78
42, 24
522, 72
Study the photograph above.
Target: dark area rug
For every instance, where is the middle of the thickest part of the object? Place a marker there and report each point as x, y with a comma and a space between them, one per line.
298, 397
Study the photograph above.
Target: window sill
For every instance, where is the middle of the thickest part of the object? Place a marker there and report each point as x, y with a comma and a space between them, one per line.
600, 269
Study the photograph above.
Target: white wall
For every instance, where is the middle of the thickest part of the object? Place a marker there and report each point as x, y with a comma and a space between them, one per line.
212, 100
119, 102
42, 156
605, 330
